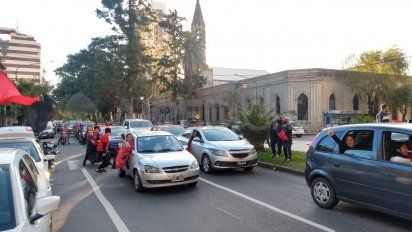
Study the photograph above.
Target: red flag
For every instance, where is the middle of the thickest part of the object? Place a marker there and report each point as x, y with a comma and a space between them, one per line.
10, 94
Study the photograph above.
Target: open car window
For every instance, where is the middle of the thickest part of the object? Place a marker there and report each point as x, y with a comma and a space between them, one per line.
397, 147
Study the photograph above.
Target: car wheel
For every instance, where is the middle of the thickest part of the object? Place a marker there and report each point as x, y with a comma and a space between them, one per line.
192, 185
323, 193
121, 172
206, 164
249, 169
137, 182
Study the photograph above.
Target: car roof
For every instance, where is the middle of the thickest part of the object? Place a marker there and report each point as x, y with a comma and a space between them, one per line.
163, 126
16, 131
137, 119
7, 155
116, 127
209, 127
17, 139
153, 133
406, 126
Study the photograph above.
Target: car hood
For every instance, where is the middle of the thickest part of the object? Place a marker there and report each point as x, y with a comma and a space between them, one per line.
168, 159
231, 145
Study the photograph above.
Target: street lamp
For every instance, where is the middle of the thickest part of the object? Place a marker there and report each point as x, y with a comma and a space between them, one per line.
256, 86
142, 99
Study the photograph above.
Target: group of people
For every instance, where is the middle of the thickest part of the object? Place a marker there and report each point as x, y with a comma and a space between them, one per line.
280, 136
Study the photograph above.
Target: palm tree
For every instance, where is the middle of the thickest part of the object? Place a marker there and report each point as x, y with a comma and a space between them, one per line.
193, 59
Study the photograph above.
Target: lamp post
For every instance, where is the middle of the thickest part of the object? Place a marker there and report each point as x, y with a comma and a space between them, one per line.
142, 99
256, 86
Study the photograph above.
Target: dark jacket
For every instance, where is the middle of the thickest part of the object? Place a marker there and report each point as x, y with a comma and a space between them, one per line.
272, 132
288, 130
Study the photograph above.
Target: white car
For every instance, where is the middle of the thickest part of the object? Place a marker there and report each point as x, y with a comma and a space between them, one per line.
32, 148
297, 129
137, 125
26, 201
160, 160
16, 131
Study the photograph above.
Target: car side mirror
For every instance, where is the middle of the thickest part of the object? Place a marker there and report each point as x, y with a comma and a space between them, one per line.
349, 154
240, 137
126, 127
44, 206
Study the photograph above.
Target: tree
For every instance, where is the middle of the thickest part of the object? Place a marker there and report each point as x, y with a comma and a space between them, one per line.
376, 76
169, 68
132, 20
255, 125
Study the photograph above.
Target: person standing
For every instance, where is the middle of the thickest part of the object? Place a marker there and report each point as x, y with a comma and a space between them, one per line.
383, 115
287, 145
274, 139
103, 150
92, 140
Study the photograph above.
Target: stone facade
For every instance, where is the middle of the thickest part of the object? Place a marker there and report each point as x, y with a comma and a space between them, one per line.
217, 104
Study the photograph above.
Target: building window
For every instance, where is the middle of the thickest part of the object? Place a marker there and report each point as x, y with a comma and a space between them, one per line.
217, 113
262, 100
203, 112
249, 103
332, 102
303, 107
210, 115
277, 104
355, 102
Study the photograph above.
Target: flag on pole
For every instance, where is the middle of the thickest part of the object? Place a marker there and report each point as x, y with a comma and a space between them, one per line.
10, 94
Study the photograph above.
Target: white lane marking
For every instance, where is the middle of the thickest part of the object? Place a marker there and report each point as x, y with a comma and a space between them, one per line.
117, 221
67, 158
304, 220
73, 165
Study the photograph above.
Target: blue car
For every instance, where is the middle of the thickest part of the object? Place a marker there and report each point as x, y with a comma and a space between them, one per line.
367, 164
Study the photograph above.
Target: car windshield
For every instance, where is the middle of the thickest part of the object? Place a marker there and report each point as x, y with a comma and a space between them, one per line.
174, 130
135, 124
157, 144
27, 146
220, 134
7, 218
117, 132
295, 124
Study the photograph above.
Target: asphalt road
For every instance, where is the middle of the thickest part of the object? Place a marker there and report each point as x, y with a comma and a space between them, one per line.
262, 200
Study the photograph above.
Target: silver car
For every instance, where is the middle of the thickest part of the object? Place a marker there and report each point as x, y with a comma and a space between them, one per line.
160, 160
137, 125
221, 148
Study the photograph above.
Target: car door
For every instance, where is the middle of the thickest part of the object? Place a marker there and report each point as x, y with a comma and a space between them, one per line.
355, 169
395, 183
197, 144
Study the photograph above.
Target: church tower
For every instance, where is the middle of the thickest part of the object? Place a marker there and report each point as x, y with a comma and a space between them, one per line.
198, 26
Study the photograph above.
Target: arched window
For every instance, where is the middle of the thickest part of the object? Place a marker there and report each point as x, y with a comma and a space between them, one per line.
303, 107
355, 102
217, 113
262, 100
203, 112
277, 104
332, 102
249, 103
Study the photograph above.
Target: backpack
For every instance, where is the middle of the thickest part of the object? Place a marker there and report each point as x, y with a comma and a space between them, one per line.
282, 135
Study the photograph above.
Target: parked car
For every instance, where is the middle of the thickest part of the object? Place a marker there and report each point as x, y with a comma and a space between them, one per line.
365, 174
32, 148
297, 129
115, 138
137, 125
26, 201
47, 133
175, 130
160, 160
221, 148
16, 131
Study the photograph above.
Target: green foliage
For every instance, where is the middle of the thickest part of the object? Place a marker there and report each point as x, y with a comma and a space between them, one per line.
33, 89
255, 125
378, 76
359, 119
298, 162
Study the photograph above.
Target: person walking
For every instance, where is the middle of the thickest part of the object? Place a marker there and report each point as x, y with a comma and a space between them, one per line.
287, 145
92, 139
383, 115
274, 139
103, 150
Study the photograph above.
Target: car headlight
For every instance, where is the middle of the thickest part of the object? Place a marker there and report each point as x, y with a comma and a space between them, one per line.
194, 165
151, 169
219, 153
253, 152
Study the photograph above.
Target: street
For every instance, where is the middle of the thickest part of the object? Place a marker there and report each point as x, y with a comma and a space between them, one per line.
263, 200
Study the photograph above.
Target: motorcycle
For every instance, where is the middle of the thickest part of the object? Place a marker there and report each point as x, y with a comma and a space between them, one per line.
51, 149
63, 138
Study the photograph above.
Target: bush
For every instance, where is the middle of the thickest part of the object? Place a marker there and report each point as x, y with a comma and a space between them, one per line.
255, 125
363, 119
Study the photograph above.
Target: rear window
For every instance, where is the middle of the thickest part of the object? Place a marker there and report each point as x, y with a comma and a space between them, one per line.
7, 218
27, 146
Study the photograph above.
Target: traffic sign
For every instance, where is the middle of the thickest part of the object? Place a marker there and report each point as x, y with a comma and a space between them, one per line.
197, 116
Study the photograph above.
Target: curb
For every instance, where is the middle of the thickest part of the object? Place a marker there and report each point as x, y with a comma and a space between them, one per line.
280, 168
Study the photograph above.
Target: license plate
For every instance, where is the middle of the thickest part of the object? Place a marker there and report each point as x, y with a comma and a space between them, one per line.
241, 163
177, 178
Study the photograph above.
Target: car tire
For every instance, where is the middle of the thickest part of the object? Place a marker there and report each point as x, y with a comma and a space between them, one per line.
137, 182
192, 185
206, 165
249, 169
323, 193
121, 172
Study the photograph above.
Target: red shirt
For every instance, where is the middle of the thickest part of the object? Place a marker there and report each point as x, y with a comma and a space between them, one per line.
103, 143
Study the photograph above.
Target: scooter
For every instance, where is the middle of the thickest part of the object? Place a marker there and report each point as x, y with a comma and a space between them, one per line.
63, 138
51, 149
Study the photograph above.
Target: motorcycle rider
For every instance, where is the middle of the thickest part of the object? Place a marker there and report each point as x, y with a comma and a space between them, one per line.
92, 142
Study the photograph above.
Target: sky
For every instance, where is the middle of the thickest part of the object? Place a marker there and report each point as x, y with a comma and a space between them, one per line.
271, 35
